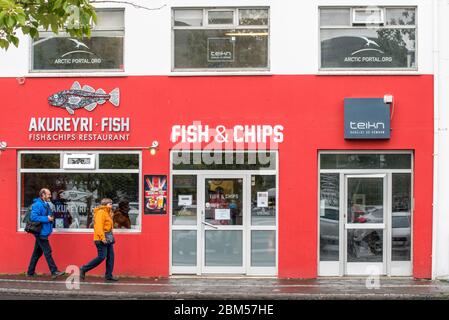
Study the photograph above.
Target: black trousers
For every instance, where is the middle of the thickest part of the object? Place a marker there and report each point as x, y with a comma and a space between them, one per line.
105, 251
41, 246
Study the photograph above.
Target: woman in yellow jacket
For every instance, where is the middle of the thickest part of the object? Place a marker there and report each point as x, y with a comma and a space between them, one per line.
103, 239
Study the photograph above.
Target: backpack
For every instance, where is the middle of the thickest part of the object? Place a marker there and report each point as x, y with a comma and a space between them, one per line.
30, 226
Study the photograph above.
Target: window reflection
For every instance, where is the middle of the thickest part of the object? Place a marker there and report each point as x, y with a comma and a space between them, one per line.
365, 200
224, 198
349, 45
102, 51
401, 217
365, 245
75, 195
365, 161
184, 200
329, 216
263, 200
184, 248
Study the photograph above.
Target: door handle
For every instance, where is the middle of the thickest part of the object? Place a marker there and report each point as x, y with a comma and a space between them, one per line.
209, 225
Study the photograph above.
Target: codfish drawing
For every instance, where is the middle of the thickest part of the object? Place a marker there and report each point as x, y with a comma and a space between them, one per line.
85, 97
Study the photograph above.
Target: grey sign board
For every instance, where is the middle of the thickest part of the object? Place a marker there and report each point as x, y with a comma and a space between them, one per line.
220, 49
367, 118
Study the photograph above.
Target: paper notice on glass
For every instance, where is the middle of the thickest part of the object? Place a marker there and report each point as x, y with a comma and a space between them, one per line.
262, 199
184, 200
322, 207
222, 214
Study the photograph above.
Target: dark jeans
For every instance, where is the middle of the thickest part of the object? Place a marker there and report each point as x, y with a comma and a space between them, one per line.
41, 246
105, 251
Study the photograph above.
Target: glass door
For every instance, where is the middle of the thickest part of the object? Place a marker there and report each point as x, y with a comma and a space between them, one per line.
365, 216
222, 224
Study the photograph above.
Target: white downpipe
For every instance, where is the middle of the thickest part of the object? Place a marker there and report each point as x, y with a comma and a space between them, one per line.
436, 152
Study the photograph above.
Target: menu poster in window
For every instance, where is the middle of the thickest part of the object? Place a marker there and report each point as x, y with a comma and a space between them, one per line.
155, 189
262, 199
222, 214
184, 200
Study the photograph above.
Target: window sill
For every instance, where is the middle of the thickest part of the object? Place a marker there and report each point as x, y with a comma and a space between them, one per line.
90, 231
74, 74
219, 73
368, 72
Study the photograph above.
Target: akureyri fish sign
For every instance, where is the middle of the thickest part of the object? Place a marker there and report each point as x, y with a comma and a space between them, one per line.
85, 97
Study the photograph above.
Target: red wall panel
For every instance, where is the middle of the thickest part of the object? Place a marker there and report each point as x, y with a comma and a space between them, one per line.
309, 107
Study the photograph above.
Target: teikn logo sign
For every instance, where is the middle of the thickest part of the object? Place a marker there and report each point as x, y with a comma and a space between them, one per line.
367, 118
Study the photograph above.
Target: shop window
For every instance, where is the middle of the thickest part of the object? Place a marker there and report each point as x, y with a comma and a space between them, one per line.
263, 200
103, 51
263, 248
365, 161
40, 161
368, 38
184, 200
401, 221
119, 161
76, 192
184, 248
220, 39
329, 216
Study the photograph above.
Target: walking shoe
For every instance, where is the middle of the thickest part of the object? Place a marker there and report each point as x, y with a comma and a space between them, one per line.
82, 274
33, 275
57, 274
111, 279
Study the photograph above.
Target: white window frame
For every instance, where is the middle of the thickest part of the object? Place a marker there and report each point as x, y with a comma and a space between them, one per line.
200, 174
337, 268
354, 14
75, 72
207, 26
234, 23
324, 71
20, 170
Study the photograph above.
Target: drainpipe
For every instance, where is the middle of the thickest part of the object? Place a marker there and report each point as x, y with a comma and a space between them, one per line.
436, 71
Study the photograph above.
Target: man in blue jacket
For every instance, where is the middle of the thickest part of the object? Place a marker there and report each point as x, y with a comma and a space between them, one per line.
41, 212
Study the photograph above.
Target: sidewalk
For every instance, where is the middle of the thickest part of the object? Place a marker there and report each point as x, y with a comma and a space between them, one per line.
19, 286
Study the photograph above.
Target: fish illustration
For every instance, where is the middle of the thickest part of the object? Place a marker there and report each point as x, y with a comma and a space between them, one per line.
77, 195
85, 97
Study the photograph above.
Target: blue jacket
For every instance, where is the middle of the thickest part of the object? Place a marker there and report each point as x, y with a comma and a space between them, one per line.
40, 210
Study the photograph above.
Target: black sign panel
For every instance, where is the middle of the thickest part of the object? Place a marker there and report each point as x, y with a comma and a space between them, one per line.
64, 53
383, 48
367, 118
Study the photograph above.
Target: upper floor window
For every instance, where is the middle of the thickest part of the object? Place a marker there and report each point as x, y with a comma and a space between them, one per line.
225, 38
368, 38
103, 51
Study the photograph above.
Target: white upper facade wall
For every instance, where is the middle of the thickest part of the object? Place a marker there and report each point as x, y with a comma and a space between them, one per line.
293, 45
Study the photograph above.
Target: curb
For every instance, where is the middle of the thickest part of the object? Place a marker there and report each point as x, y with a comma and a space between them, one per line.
222, 296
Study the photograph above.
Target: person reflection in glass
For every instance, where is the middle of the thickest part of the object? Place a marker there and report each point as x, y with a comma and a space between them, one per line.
63, 218
121, 215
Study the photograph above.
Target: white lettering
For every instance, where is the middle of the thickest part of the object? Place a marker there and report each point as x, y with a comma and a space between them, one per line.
278, 134
32, 126
237, 136
366, 125
115, 124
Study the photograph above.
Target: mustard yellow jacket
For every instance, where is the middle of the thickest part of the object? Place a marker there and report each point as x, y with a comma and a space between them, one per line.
102, 222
